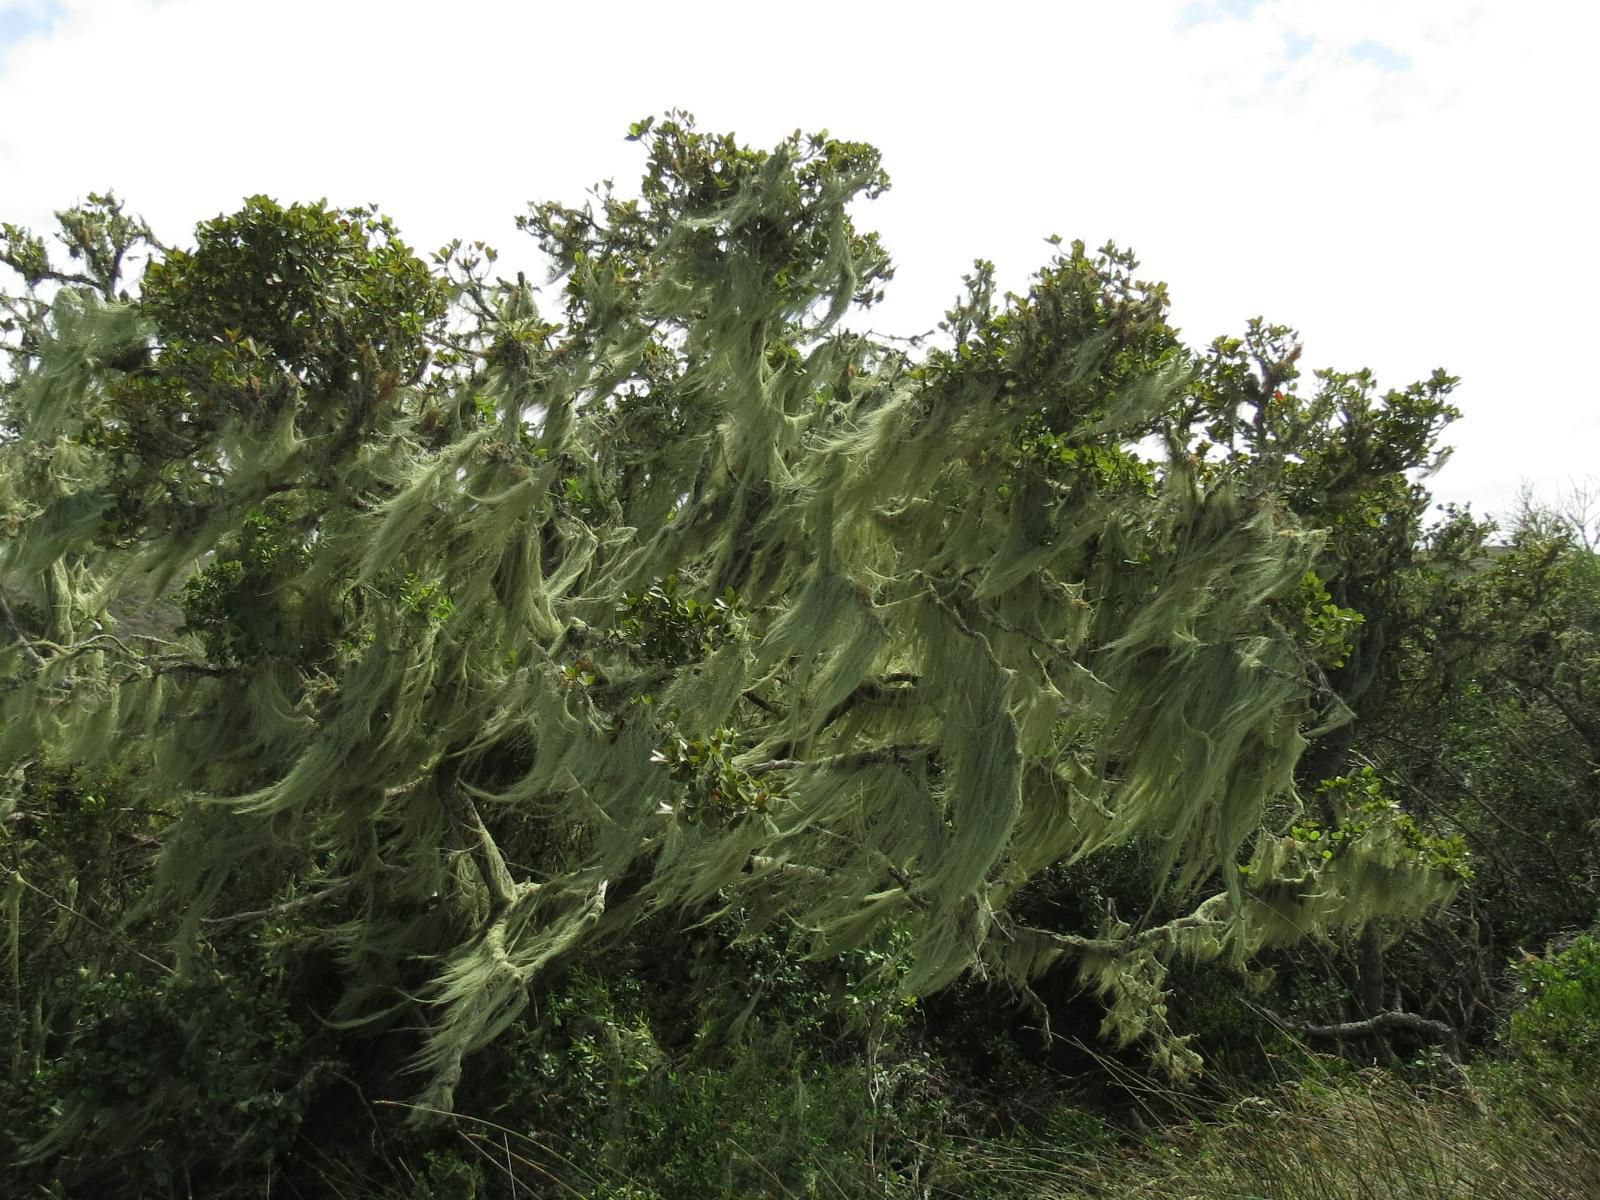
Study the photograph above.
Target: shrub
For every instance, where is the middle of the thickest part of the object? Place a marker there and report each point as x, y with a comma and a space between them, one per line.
1559, 1021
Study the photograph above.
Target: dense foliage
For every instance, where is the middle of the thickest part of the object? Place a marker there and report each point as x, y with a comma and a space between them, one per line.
676, 721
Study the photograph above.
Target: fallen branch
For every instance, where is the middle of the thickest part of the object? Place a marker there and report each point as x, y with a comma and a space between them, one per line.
1386, 1022
1383, 1022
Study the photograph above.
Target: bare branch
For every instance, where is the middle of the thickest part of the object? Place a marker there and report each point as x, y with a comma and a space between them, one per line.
1381, 1023
288, 906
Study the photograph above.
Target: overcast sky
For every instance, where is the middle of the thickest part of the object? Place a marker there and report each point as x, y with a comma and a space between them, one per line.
1408, 182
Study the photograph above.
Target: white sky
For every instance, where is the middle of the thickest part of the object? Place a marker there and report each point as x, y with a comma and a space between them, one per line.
1408, 182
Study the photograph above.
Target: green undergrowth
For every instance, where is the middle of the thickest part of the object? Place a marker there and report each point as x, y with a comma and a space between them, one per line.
602, 1094
1524, 1131
707, 1062
767, 1129
874, 1114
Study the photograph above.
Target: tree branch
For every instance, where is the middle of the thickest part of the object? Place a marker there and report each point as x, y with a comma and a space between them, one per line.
1207, 912
491, 864
765, 705
843, 762
1588, 730
1378, 1024
22, 639
901, 684
277, 910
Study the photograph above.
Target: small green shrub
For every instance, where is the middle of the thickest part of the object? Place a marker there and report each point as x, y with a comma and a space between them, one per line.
447, 1176
165, 1084
1559, 1021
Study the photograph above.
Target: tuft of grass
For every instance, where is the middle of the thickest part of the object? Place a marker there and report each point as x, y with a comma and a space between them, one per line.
1368, 1136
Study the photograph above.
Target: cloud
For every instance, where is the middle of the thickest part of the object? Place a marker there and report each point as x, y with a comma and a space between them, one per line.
21, 19
1201, 11
1298, 45
1385, 58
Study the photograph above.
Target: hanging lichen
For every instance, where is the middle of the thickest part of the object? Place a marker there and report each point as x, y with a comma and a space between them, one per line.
687, 596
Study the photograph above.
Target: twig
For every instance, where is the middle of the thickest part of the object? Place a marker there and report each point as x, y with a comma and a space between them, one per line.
85, 917
764, 705
278, 910
22, 638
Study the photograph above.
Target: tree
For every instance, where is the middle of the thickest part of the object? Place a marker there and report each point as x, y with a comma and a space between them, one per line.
1352, 462
1489, 725
481, 632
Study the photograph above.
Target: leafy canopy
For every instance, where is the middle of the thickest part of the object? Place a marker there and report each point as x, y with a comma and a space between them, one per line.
485, 629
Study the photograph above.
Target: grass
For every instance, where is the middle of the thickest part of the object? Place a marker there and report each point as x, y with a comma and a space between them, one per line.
1525, 1133
1370, 1136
